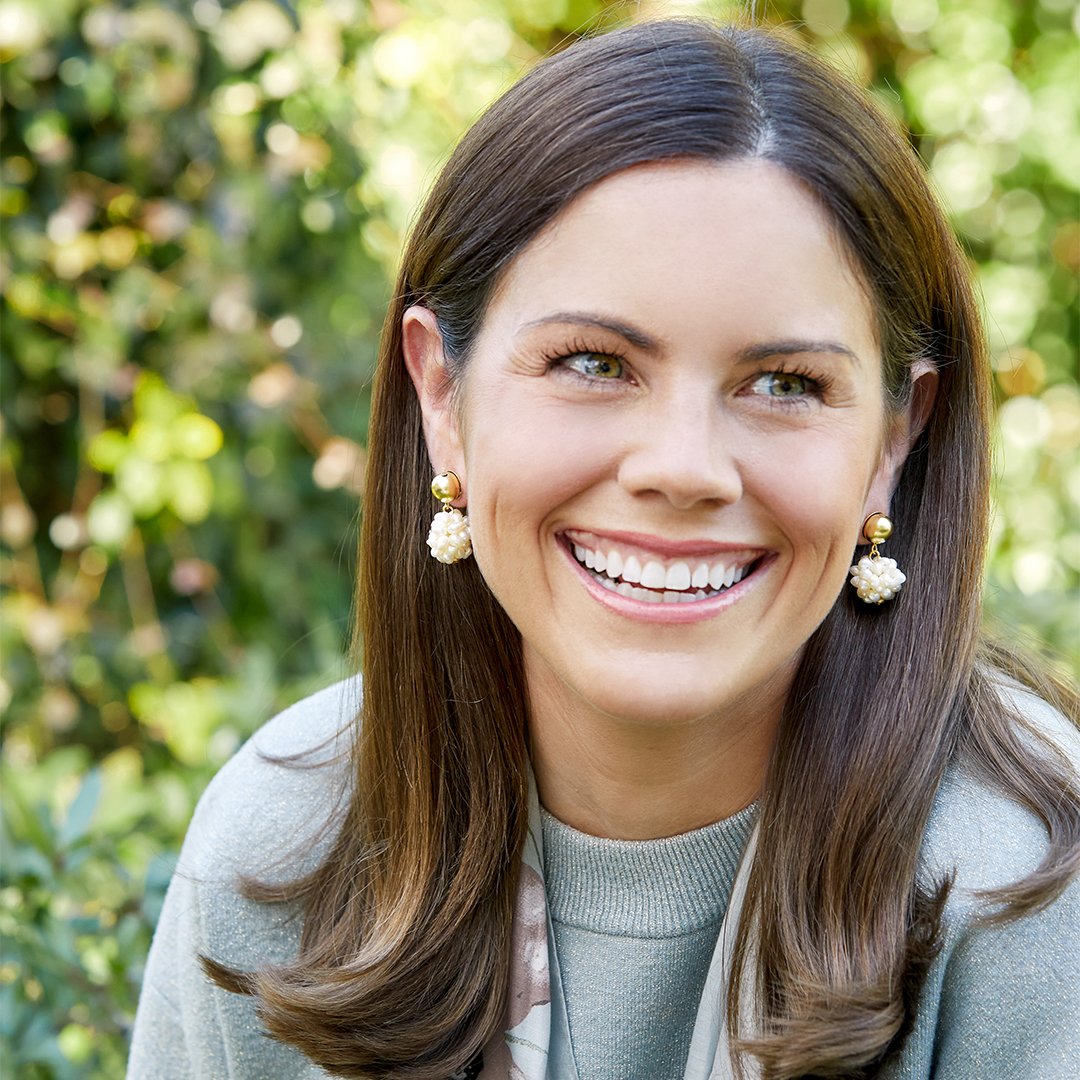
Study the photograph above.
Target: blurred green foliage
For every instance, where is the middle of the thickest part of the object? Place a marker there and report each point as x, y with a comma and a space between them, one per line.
202, 204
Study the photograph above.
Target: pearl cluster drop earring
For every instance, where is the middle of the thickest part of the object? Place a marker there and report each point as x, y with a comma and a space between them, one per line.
876, 578
449, 538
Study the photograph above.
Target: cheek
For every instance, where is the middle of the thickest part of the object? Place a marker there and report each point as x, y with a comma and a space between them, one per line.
520, 469
815, 491
525, 459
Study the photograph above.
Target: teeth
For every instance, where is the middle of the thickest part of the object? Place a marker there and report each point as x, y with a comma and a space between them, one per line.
659, 583
678, 576
653, 575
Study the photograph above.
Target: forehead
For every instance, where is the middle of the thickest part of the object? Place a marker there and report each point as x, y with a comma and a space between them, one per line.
739, 249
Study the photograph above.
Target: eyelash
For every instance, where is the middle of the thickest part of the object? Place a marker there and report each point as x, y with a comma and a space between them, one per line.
817, 383
556, 359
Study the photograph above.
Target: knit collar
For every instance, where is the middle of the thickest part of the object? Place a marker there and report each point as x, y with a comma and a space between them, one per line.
643, 888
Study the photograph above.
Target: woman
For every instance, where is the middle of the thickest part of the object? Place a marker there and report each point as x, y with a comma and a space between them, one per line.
680, 324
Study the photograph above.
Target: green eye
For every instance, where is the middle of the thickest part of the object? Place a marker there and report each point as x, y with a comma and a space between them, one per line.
783, 384
595, 365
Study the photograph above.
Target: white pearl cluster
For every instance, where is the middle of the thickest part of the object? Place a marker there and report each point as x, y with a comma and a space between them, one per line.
876, 579
449, 538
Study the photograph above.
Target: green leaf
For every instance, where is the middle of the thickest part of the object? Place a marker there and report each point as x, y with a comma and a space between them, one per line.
22, 820
80, 813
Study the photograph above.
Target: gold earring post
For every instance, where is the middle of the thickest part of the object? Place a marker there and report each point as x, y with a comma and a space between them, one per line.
877, 528
446, 487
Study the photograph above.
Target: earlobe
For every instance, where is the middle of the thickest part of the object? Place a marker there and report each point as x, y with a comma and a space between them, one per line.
425, 360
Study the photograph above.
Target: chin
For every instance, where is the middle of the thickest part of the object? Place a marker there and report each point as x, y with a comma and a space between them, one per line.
665, 702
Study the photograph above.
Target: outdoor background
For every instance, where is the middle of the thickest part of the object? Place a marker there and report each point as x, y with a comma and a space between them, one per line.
202, 204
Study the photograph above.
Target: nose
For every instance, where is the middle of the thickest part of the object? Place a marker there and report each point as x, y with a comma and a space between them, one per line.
681, 449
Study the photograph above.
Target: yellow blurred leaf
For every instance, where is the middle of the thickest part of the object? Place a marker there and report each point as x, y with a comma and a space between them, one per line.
142, 483
196, 436
154, 401
190, 489
109, 520
107, 449
152, 440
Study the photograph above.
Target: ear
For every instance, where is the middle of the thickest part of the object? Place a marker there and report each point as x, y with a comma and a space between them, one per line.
904, 430
425, 360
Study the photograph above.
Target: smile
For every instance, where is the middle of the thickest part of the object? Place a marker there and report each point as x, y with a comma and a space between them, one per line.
655, 579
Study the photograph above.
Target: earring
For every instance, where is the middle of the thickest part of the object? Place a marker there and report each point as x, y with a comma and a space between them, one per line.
876, 578
449, 538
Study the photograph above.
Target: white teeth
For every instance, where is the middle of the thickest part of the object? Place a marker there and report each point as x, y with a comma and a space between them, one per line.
653, 575
659, 583
678, 576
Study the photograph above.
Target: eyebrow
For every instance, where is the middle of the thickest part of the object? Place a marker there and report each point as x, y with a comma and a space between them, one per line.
630, 333
751, 354
793, 347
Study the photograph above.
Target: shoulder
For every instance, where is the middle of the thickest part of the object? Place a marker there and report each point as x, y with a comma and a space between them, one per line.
269, 814
976, 829
270, 810
1001, 1001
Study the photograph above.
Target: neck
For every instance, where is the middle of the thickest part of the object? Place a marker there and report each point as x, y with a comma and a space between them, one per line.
634, 781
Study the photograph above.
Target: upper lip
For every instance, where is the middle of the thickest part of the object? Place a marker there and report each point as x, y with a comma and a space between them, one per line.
662, 546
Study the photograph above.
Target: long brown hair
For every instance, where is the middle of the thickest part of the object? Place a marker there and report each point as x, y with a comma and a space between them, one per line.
404, 950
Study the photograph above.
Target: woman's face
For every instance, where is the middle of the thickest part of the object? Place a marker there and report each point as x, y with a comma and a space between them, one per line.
681, 379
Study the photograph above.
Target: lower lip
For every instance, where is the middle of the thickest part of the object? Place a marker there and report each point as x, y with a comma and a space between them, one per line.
668, 614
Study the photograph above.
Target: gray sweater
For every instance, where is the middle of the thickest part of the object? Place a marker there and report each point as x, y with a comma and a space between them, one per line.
998, 1004
642, 916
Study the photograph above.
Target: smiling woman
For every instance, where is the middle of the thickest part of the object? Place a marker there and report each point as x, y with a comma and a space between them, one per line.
643, 789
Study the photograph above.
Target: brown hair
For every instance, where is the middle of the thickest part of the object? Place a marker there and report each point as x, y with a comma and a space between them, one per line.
404, 950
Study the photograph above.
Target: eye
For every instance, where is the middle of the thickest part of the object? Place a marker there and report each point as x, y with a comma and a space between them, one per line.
784, 384
594, 365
